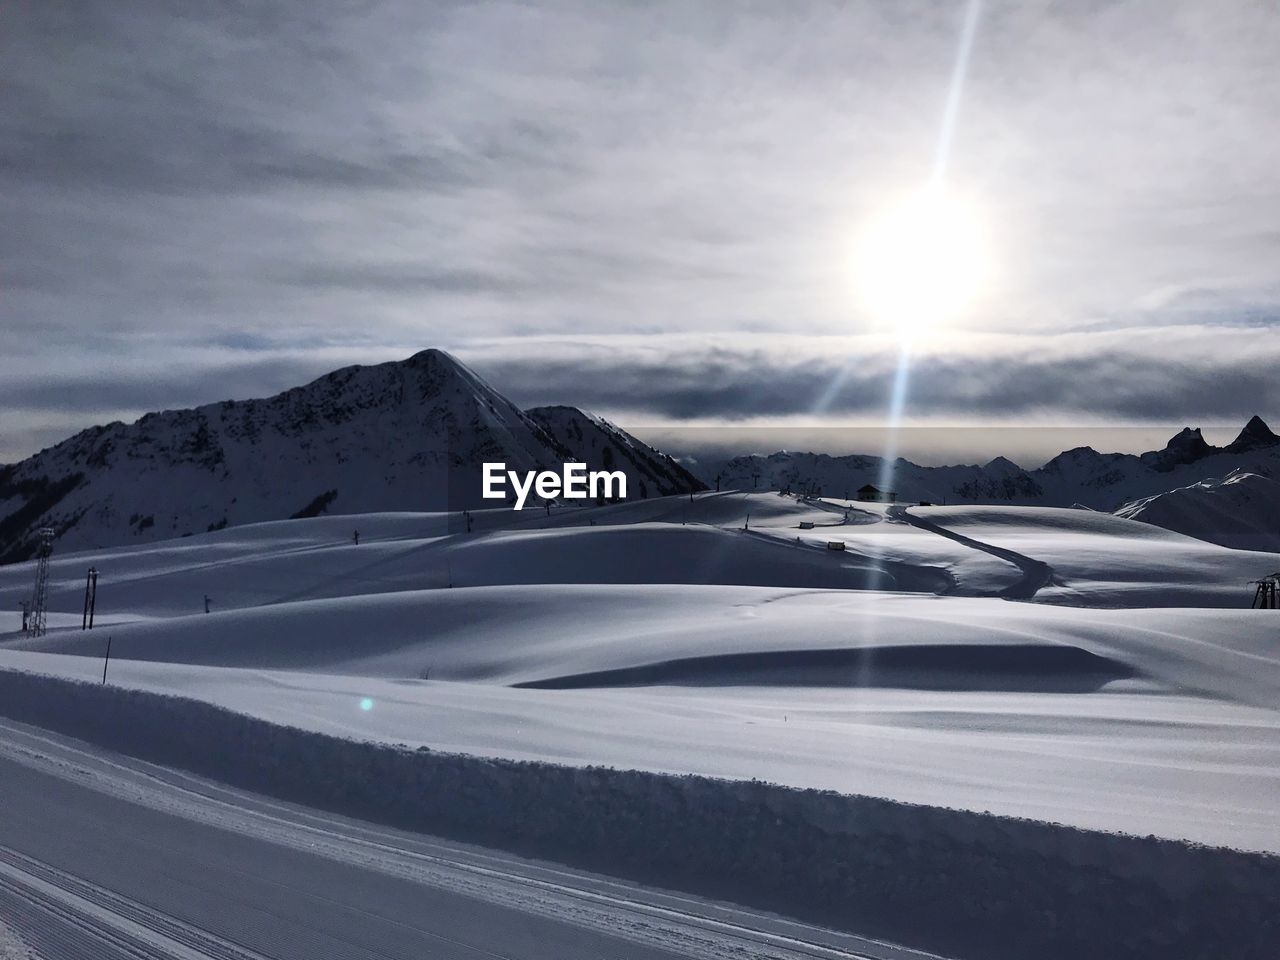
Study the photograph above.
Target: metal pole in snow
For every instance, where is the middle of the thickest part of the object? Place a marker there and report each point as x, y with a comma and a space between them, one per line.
84, 619
106, 660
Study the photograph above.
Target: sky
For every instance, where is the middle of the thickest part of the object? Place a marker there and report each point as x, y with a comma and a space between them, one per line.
650, 210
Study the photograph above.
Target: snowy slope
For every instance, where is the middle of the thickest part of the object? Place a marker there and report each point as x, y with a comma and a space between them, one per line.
663, 635
602, 445
313, 559
1101, 481
1094, 559
408, 435
1241, 510
1189, 749
715, 636
1099, 560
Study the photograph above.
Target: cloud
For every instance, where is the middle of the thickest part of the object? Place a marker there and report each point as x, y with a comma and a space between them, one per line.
406, 277
642, 381
310, 181
1005, 379
168, 387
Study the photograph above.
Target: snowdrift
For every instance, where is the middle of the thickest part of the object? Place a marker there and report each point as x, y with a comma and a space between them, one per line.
966, 882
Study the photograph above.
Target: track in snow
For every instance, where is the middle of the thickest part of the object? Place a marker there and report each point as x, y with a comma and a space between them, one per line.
110, 857
1036, 574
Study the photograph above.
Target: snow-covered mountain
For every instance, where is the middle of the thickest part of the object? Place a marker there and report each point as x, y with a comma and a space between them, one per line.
406, 435
1101, 481
411, 435
603, 446
1241, 510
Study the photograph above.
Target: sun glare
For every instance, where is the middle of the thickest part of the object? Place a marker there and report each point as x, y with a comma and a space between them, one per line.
921, 263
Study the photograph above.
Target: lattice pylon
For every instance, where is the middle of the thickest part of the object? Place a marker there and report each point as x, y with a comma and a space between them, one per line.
1267, 596
40, 593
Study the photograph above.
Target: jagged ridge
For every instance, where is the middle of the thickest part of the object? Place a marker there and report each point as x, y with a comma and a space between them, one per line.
1081, 476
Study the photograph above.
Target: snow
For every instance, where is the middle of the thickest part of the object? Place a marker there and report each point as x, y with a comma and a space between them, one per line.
603, 445
919, 875
1124, 696
1101, 560
1241, 510
11, 947
109, 860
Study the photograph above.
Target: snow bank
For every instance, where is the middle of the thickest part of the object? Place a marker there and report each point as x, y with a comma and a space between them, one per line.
978, 884
1143, 761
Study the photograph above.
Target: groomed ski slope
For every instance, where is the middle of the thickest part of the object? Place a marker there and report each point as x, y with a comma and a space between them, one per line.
681, 636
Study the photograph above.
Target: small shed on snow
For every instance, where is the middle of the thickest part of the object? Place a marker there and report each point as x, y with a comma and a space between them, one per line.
873, 494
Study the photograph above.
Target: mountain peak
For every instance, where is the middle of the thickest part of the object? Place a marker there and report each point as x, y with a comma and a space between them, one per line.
432, 355
405, 435
1186, 446
434, 360
1255, 434
1002, 465
438, 369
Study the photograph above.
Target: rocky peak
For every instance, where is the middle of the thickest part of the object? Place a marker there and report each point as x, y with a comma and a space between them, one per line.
1186, 446
1185, 439
1255, 435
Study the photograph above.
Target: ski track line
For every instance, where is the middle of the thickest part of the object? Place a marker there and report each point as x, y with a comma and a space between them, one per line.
427, 870
1036, 574
130, 926
487, 878
119, 912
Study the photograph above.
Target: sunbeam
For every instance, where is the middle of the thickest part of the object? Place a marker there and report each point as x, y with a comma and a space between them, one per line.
942, 156
938, 256
897, 401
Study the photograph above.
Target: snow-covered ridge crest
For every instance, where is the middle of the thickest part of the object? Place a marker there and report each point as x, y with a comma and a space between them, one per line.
1077, 477
1240, 510
403, 435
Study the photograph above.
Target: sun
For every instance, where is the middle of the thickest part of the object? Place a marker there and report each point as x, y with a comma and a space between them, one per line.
921, 263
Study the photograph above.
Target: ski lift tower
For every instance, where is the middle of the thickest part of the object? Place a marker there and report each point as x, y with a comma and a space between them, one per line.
1265, 596
40, 593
